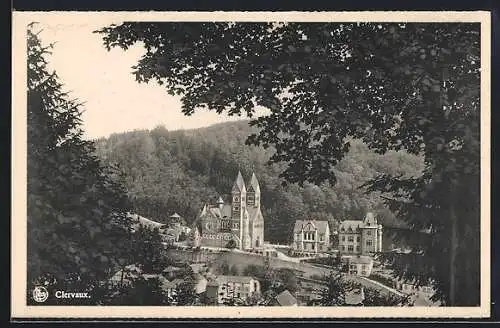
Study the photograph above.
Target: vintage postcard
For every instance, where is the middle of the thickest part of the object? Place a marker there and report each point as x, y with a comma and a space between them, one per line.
251, 165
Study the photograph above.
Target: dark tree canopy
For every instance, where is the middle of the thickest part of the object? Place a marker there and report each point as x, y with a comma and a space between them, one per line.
76, 206
395, 86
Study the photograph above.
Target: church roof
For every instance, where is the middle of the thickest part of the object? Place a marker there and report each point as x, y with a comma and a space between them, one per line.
253, 212
321, 226
239, 184
216, 211
253, 184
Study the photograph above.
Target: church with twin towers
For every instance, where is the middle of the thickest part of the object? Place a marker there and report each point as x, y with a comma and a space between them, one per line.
238, 222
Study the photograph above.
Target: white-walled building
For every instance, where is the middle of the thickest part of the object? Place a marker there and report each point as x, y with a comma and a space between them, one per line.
360, 237
232, 287
311, 236
360, 265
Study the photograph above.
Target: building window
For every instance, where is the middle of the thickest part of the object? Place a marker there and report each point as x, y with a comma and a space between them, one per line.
350, 238
350, 248
322, 237
358, 239
369, 243
369, 232
357, 248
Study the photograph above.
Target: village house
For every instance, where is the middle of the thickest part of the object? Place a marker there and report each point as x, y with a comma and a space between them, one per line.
360, 265
311, 236
125, 276
167, 286
409, 287
360, 237
172, 272
231, 287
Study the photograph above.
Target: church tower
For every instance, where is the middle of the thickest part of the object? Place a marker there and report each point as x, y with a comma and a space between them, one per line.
256, 220
238, 207
253, 192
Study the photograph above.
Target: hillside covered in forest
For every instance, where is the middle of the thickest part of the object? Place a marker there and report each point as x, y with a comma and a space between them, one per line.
179, 171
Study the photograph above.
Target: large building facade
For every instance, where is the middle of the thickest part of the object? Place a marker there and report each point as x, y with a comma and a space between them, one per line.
240, 221
360, 237
311, 236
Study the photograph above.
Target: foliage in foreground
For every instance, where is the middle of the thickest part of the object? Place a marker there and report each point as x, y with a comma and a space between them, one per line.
412, 86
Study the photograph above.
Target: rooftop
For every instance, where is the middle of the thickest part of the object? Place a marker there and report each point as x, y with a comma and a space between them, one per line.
145, 221
300, 225
237, 279
285, 298
355, 297
370, 221
360, 260
239, 184
171, 268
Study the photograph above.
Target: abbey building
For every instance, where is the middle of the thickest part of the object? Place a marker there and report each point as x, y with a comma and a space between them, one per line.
239, 223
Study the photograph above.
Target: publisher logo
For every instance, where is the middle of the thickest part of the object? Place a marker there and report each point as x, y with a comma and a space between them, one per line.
40, 294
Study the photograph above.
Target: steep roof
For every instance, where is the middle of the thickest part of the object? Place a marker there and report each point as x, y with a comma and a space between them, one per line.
177, 281
171, 268
285, 298
216, 211
355, 297
321, 226
131, 271
165, 284
239, 279
253, 213
145, 221
196, 267
360, 260
370, 221
239, 183
175, 215
351, 225
253, 184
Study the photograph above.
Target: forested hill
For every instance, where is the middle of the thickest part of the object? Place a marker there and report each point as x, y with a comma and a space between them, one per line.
179, 171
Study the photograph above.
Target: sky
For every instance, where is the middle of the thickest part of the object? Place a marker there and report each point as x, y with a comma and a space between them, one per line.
114, 101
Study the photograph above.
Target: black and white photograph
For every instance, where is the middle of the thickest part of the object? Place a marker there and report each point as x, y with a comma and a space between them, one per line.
251, 164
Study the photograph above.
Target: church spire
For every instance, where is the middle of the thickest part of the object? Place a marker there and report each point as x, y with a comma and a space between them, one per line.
239, 184
254, 184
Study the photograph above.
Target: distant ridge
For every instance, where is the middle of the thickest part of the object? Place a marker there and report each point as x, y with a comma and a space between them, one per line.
179, 171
